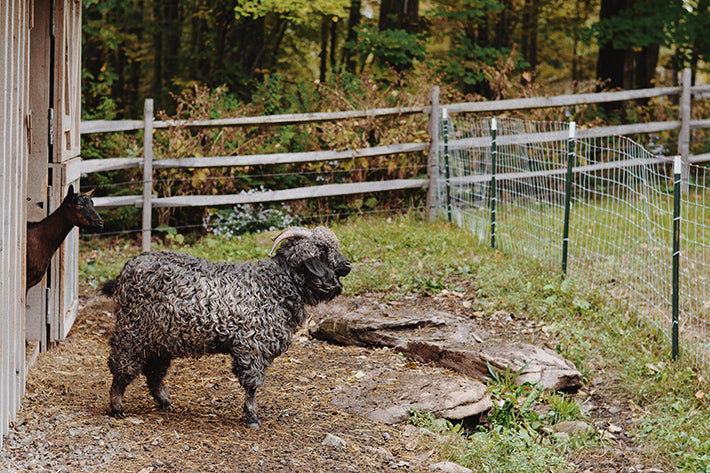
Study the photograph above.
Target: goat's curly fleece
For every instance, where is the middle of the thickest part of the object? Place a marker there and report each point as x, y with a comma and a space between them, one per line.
173, 305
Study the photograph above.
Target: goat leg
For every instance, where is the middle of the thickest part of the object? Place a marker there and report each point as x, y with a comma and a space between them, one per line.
250, 408
118, 387
154, 372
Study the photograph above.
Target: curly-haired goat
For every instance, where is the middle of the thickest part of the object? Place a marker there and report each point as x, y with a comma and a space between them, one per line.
172, 305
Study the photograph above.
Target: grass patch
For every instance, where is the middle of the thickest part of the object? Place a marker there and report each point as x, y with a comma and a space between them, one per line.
605, 338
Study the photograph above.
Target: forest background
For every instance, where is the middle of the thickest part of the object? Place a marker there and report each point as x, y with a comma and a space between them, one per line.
216, 58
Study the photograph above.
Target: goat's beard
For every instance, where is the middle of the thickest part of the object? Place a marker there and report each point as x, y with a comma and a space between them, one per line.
323, 289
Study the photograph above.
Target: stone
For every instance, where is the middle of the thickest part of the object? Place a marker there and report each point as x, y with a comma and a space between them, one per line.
573, 427
449, 467
331, 440
450, 396
444, 339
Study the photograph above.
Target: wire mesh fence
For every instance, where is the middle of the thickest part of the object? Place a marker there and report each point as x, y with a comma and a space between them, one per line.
600, 209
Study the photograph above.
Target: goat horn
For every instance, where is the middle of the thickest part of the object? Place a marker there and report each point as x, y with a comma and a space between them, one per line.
91, 192
291, 232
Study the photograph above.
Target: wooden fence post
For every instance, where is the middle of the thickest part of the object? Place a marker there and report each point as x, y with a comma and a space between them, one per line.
147, 172
433, 161
684, 133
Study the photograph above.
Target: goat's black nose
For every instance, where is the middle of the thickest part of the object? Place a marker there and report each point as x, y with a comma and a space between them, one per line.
343, 268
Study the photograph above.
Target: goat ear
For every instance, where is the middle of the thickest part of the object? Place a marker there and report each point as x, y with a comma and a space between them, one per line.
316, 267
70, 191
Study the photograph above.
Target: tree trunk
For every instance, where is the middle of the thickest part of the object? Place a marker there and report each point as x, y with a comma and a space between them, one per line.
333, 45
323, 48
399, 15
351, 37
528, 41
158, 53
611, 61
646, 61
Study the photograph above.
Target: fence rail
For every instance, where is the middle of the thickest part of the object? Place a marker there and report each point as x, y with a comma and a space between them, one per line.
147, 201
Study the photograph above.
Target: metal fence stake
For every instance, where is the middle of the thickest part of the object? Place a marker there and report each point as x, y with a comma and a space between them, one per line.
447, 170
568, 195
494, 190
677, 180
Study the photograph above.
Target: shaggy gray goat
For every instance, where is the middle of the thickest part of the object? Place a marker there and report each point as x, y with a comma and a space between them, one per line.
173, 305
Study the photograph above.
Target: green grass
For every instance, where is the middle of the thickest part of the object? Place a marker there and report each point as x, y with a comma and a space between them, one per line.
602, 335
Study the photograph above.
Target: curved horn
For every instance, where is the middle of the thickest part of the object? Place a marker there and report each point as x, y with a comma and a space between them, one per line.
290, 232
91, 192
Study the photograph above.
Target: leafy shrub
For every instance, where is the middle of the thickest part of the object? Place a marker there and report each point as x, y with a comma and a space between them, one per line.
247, 218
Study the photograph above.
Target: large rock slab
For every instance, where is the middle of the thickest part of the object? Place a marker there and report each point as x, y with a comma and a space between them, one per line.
386, 395
444, 339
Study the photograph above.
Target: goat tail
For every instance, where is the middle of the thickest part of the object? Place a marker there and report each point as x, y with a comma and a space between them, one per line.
109, 287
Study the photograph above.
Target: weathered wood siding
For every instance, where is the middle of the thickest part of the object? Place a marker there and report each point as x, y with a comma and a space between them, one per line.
15, 122
54, 159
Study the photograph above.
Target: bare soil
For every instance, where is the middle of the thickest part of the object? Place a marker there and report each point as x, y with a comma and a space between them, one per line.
64, 423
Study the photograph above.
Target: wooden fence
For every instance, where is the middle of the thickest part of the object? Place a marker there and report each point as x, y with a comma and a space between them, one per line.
148, 202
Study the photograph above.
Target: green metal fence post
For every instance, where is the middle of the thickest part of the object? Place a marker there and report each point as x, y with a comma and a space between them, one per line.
447, 170
568, 196
677, 171
494, 190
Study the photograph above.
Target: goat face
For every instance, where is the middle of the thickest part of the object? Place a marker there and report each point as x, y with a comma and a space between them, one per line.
81, 211
316, 260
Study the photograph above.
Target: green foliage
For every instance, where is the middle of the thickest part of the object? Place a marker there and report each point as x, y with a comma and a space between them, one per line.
248, 218
395, 48
642, 24
297, 11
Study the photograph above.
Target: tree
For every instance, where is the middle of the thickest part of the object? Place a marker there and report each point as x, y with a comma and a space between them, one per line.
630, 34
399, 15
351, 36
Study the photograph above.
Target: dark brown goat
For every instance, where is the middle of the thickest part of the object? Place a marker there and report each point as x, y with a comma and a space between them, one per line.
45, 236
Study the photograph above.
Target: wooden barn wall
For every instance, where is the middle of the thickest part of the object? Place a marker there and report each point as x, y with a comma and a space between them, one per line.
15, 122
65, 167
52, 305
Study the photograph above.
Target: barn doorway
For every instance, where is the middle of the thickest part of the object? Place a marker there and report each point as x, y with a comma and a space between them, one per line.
54, 161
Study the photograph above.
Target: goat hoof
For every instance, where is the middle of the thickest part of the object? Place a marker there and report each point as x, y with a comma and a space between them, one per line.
165, 405
118, 413
253, 421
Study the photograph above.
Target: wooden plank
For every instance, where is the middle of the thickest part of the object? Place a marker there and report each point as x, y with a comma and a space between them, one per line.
510, 176
550, 136
289, 119
288, 158
560, 100
147, 174
699, 124
328, 190
109, 164
684, 112
433, 157
699, 158
633, 129
109, 126
119, 201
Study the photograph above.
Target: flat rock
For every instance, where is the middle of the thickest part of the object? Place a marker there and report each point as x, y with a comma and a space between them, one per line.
444, 339
387, 394
449, 467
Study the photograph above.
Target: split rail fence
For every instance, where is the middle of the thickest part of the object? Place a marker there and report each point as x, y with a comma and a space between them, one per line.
148, 125
609, 170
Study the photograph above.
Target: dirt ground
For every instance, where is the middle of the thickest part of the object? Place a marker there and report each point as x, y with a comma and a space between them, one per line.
64, 425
